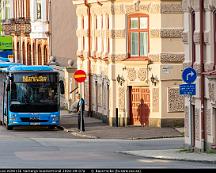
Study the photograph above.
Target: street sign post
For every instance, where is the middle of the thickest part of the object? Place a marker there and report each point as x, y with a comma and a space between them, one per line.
189, 76
80, 76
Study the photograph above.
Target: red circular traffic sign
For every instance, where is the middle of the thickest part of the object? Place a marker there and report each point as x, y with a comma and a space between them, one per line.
80, 76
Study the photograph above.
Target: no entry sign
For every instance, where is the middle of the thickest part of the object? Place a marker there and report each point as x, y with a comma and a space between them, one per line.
80, 76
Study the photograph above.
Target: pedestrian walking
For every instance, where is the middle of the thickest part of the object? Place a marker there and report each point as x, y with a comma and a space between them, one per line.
80, 110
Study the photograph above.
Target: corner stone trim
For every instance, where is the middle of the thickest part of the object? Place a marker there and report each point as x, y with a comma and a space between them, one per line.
166, 33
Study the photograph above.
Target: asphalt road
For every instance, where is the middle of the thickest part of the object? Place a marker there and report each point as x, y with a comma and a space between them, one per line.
42, 148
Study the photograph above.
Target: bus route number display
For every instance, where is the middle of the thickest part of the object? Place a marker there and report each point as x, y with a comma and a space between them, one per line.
34, 78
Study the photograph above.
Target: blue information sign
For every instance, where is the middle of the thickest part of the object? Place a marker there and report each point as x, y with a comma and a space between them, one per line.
187, 89
189, 75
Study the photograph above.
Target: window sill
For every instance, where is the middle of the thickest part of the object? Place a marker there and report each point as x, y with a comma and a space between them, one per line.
137, 59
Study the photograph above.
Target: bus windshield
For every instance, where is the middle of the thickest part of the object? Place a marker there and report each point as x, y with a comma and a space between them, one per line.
34, 97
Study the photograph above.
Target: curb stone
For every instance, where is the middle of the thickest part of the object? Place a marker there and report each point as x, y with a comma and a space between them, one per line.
80, 134
166, 157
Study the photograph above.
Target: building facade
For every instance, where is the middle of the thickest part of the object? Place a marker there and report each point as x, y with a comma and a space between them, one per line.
200, 53
63, 44
43, 31
27, 22
132, 52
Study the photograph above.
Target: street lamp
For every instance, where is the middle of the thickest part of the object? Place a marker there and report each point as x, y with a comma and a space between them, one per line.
120, 79
154, 80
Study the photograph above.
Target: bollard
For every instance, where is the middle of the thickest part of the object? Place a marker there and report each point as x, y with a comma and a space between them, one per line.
116, 117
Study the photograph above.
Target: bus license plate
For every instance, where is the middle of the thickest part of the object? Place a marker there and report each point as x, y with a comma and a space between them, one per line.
34, 124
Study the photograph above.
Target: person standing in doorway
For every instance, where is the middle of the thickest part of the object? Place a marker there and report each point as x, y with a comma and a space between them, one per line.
80, 110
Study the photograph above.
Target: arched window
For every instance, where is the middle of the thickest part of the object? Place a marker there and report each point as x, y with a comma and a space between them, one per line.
18, 52
39, 55
24, 53
45, 55
33, 53
138, 35
28, 54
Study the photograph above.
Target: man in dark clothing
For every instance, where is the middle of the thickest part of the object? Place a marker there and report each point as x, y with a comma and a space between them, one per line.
80, 110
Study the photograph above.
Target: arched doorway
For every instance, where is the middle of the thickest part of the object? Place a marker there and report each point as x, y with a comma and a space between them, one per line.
18, 52
33, 55
45, 55
23, 53
28, 54
39, 55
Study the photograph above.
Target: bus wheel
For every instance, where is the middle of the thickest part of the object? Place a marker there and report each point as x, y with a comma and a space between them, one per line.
9, 127
51, 127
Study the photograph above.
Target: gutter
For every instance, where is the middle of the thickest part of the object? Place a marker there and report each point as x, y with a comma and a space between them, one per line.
202, 80
89, 52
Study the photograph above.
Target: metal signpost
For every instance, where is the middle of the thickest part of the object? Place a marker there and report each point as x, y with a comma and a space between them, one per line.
189, 76
80, 76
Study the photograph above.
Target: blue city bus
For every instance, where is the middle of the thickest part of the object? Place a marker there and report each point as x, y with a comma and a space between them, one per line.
30, 95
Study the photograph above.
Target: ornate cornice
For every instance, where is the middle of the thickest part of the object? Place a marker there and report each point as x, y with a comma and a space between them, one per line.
171, 8
166, 33
124, 8
171, 58
119, 57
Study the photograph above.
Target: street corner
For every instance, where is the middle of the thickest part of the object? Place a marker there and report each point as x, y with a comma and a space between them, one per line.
83, 135
173, 154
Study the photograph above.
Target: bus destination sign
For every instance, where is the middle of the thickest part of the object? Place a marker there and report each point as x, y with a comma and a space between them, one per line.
35, 79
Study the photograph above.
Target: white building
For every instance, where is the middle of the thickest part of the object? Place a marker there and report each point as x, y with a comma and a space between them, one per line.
199, 39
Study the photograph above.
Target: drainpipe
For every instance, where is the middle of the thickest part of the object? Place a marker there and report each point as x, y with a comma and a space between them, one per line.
50, 28
202, 80
89, 52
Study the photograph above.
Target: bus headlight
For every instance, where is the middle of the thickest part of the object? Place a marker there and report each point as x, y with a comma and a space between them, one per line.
13, 117
55, 118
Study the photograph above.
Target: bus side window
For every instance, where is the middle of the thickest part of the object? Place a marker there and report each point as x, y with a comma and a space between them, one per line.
13, 91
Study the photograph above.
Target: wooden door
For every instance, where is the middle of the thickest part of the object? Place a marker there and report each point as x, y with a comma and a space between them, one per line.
140, 106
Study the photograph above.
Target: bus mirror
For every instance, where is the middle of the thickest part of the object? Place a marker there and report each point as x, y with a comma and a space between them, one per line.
62, 90
8, 87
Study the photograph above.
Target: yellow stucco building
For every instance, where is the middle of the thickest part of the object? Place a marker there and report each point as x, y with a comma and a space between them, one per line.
132, 52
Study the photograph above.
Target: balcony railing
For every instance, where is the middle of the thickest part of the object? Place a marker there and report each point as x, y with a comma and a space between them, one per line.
16, 26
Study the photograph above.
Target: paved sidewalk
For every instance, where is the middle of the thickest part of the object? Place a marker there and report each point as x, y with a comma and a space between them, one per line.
175, 154
96, 129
